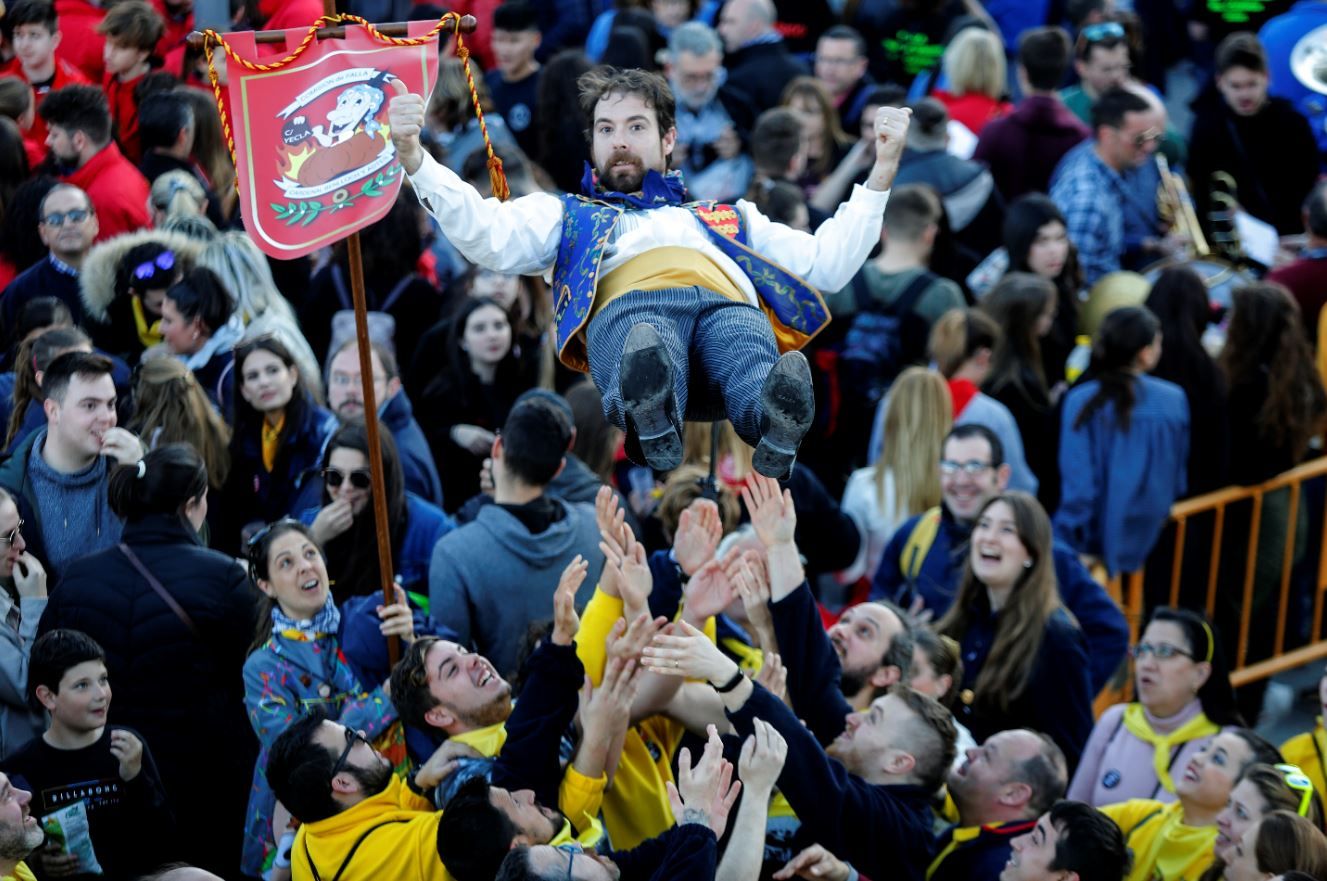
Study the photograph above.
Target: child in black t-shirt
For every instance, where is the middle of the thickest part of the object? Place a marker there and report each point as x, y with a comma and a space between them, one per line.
81, 758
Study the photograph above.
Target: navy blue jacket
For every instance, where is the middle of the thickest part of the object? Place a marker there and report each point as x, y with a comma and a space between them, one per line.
1102, 622
684, 853
982, 856
883, 831
813, 667
421, 475
261, 495
1057, 699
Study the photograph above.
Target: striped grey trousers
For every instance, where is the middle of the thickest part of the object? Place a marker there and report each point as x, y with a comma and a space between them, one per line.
721, 351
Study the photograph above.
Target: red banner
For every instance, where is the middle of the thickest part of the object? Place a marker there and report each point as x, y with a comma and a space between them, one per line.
313, 152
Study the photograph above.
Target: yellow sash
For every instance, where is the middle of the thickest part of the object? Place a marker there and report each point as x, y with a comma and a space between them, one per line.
1136, 723
148, 334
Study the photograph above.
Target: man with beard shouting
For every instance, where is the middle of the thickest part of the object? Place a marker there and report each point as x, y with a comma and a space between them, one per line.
649, 287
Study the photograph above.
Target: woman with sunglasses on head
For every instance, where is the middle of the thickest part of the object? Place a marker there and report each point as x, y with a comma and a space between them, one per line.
296, 664
1184, 700
1175, 839
123, 283
176, 620
344, 525
279, 435
1024, 658
1280, 843
1262, 790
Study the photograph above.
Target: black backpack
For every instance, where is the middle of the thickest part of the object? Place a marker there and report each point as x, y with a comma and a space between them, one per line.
881, 342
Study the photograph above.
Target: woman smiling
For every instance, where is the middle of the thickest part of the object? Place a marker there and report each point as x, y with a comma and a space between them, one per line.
1024, 660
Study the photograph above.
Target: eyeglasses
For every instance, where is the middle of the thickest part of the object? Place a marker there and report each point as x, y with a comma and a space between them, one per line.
58, 218
571, 848
1162, 651
1103, 30
1143, 139
971, 468
12, 537
351, 737
359, 478
165, 261
1297, 780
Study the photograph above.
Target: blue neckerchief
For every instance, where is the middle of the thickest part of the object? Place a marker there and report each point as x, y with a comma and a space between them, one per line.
657, 190
325, 622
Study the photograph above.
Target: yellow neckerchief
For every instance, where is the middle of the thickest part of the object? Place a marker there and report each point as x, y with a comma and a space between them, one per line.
272, 441
487, 741
961, 835
304, 635
589, 839
1136, 724
148, 334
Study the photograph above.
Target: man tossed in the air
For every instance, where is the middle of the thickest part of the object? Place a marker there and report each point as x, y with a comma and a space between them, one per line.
678, 309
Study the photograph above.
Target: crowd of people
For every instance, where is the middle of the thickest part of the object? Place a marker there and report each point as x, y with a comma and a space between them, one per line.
895, 662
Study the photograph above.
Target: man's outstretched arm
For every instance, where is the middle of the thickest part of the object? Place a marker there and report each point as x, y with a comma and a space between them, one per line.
518, 237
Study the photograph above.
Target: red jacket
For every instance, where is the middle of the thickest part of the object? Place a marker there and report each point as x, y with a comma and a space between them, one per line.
80, 44
117, 189
177, 29
974, 110
66, 74
124, 115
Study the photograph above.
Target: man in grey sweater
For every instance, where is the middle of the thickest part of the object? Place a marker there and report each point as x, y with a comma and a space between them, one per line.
492, 578
58, 477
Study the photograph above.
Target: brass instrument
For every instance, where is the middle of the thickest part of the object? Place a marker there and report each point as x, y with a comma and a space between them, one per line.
1221, 217
1176, 208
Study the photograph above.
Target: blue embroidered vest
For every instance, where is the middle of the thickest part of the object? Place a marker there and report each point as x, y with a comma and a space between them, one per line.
795, 309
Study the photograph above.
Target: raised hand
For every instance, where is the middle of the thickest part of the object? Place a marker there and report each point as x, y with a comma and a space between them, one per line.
708, 592
699, 530
751, 579
761, 759
397, 619
443, 763
774, 676
815, 864
128, 750
625, 559
891, 136
688, 652
772, 513
566, 622
405, 116
627, 641
704, 794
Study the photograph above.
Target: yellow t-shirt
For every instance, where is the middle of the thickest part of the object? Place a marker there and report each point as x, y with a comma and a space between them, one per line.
1162, 846
21, 873
1308, 750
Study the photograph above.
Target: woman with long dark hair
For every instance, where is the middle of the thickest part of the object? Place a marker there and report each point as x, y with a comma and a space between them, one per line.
1179, 301
1037, 241
1124, 446
1025, 662
278, 438
199, 325
175, 620
1023, 305
344, 526
1262, 790
1276, 398
468, 401
1184, 698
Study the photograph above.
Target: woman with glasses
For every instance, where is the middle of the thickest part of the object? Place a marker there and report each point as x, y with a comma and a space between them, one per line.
1280, 843
1262, 790
1184, 700
1124, 446
278, 439
176, 620
1024, 658
344, 526
296, 664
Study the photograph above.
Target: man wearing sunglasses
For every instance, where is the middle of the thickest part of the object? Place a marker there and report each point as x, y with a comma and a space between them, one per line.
67, 225
1090, 184
923, 561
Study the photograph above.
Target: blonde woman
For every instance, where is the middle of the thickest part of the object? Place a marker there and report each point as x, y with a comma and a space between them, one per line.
171, 407
176, 194
975, 73
903, 481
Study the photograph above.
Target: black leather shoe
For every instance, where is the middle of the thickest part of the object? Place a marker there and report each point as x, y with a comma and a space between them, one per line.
789, 406
646, 382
